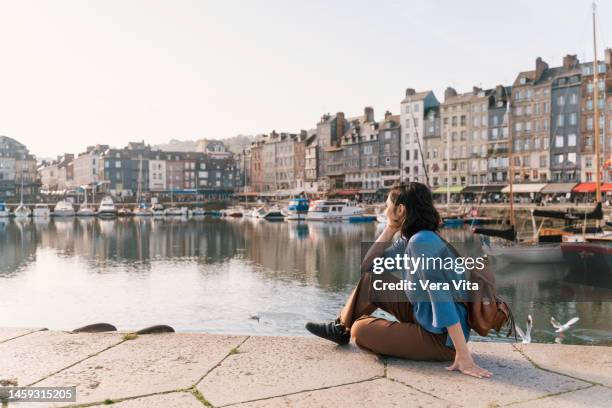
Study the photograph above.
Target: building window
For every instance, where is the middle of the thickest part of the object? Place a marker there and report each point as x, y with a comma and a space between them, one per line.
560, 120
117, 164
560, 100
571, 140
558, 141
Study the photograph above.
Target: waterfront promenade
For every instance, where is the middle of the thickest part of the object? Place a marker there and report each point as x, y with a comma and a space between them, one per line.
196, 369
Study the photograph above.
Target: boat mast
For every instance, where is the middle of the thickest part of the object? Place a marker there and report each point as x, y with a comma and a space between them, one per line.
448, 170
596, 111
510, 164
21, 199
139, 181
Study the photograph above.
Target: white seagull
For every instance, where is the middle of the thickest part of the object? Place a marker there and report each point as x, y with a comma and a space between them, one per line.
563, 327
526, 337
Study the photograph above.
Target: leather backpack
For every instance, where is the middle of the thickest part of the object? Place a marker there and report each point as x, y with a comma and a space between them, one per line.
486, 309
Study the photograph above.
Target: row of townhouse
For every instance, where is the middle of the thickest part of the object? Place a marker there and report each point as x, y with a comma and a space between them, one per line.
342, 154
551, 126
17, 170
544, 121
125, 171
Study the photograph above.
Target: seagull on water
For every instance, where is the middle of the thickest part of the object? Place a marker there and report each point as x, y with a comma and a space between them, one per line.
563, 327
526, 336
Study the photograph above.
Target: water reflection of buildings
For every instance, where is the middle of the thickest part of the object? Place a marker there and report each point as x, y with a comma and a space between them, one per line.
17, 245
141, 240
326, 254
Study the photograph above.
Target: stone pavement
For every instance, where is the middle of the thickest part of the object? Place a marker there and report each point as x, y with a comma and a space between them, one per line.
195, 370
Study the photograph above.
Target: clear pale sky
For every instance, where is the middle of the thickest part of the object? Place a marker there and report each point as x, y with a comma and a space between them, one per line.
74, 73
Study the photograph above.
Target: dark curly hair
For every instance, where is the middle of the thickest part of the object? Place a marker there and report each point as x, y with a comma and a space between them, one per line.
420, 211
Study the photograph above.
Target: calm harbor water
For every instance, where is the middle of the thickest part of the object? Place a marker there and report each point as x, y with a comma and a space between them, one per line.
237, 276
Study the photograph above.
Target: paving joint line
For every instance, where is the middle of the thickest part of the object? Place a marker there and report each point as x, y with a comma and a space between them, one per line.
117, 400
80, 361
554, 394
22, 335
303, 391
419, 390
229, 353
555, 372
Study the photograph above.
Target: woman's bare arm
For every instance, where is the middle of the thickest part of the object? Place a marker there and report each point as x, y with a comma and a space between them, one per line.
463, 359
377, 249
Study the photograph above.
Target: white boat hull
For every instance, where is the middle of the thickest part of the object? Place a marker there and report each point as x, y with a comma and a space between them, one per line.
41, 213
175, 212
63, 213
525, 253
314, 216
22, 212
86, 212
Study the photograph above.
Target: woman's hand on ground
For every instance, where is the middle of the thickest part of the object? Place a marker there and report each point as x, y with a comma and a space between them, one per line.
465, 364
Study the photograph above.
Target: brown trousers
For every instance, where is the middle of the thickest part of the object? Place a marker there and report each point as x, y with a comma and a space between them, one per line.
404, 338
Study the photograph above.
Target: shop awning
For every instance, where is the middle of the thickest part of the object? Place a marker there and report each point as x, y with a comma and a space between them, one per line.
445, 189
558, 188
524, 188
247, 194
368, 191
590, 188
489, 188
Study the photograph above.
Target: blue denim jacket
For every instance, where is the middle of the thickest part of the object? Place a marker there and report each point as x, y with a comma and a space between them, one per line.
434, 310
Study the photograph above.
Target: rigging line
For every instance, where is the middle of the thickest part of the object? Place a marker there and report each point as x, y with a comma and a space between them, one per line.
416, 131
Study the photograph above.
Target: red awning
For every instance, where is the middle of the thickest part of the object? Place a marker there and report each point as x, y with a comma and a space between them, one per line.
590, 188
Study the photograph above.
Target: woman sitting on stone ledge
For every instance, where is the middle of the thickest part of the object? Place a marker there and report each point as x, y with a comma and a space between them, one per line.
432, 325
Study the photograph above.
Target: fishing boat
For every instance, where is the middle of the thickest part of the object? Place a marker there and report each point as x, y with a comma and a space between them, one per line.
176, 212
22, 211
86, 210
362, 218
41, 211
158, 210
452, 222
142, 210
235, 212
333, 210
63, 209
297, 209
270, 214
524, 252
107, 209
4, 211
124, 212
594, 257
197, 212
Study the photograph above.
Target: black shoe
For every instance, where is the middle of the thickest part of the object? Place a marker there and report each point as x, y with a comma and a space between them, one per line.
331, 331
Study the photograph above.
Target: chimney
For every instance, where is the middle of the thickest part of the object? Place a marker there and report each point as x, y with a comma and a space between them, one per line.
570, 61
476, 90
387, 115
449, 92
540, 67
608, 56
339, 124
410, 91
368, 114
500, 93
